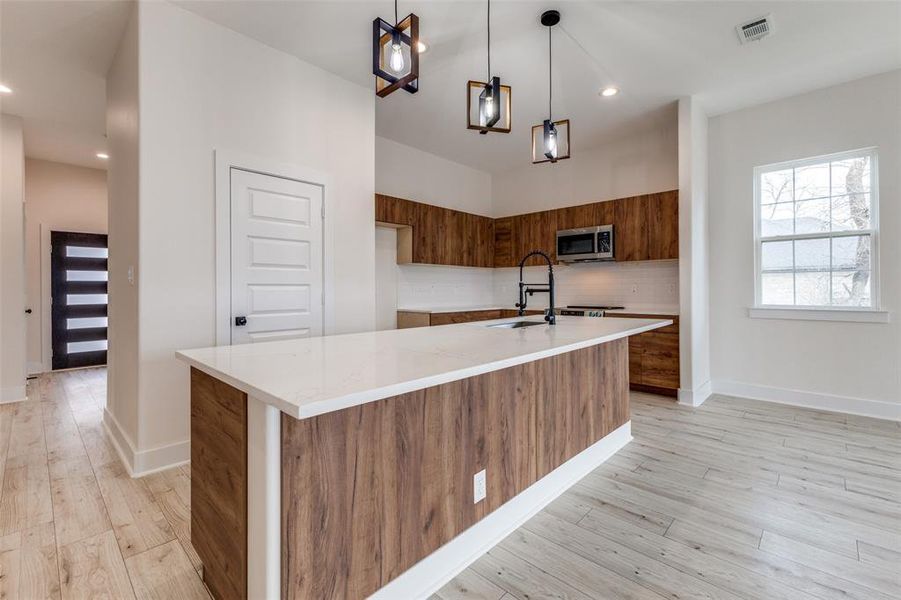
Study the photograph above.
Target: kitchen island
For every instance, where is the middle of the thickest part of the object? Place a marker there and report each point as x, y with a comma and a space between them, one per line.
382, 463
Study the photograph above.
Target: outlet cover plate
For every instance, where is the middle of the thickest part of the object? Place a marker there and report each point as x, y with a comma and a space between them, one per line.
479, 487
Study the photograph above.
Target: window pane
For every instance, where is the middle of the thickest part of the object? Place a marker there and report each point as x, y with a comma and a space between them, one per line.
77, 299
776, 186
851, 176
812, 288
852, 252
812, 216
85, 275
777, 288
812, 254
85, 323
851, 212
776, 219
86, 252
776, 256
75, 347
851, 288
812, 181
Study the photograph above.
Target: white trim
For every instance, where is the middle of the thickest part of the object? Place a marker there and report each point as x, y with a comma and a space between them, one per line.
35, 367
144, 462
695, 397
851, 315
873, 231
431, 573
224, 161
843, 404
8, 395
264, 461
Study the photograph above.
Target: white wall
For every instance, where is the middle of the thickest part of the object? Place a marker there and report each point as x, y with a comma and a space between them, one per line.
12, 260
644, 161
406, 172
122, 120
386, 270
58, 197
204, 88
849, 366
694, 326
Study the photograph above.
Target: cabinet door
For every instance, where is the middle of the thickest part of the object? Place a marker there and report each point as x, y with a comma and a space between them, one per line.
663, 225
660, 359
398, 211
635, 359
630, 229
484, 243
503, 242
535, 231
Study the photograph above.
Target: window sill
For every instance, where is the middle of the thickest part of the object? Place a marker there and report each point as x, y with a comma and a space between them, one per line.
852, 315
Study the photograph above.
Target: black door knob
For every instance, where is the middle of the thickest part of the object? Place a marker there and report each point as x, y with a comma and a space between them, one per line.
240, 321
27, 311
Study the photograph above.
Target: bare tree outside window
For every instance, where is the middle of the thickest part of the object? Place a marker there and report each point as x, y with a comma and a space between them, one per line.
815, 232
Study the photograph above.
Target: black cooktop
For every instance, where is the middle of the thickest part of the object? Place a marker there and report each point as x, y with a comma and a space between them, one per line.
594, 307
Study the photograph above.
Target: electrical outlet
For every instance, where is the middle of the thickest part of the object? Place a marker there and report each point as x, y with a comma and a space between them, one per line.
672, 289
479, 487
634, 288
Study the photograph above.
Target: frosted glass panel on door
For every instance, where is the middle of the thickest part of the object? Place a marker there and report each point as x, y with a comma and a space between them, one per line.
80, 299
85, 275
86, 322
86, 252
93, 346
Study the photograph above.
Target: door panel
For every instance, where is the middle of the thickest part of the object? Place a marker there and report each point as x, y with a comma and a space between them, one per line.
78, 289
277, 268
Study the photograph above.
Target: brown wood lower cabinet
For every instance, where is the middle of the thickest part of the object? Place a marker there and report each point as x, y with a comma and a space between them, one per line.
369, 491
407, 319
654, 357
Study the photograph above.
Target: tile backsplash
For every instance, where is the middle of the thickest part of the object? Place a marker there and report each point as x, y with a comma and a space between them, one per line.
651, 285
645, 285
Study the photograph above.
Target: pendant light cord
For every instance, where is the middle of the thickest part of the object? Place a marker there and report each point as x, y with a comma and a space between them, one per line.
489, 41
550, 67
395, 14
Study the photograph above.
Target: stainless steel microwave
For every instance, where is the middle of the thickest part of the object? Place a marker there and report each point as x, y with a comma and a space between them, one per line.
585, 244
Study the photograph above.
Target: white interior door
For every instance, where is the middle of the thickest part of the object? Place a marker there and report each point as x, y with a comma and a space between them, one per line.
276, 258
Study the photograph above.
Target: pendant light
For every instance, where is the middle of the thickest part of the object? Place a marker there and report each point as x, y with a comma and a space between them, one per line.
550, 140
395, 54
493, 99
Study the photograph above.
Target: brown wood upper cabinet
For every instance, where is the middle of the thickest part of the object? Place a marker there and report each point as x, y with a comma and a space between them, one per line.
645, 228
436, 235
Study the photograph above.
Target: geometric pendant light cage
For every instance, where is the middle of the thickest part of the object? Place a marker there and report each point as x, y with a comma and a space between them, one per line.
550, 139
488, 103
395, 54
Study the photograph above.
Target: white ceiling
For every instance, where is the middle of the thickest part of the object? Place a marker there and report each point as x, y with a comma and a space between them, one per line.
55, 55
655, 51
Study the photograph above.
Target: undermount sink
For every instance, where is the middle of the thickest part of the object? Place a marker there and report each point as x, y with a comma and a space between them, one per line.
517, 324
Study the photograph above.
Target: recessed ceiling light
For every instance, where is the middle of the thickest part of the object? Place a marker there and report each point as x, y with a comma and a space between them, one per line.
102, 155
422, 47
609, 91
5, 89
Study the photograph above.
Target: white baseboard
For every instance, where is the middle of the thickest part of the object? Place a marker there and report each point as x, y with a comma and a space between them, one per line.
431, 573
12, 394
842, 404
144, 462
35, 367
695, 397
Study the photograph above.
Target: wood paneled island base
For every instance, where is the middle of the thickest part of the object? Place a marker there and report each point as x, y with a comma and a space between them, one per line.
369, 491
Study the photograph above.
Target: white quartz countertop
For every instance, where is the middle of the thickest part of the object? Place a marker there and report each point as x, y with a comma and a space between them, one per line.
312, 376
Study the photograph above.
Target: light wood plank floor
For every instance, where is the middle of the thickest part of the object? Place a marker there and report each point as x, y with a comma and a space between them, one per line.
73, 524
735, 499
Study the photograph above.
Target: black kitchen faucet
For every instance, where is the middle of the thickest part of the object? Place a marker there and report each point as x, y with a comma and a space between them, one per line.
528, 289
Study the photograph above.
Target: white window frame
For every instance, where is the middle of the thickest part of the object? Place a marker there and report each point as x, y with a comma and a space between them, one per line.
826, 312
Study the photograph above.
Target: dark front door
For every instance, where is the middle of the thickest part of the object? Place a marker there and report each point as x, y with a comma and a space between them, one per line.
78, 279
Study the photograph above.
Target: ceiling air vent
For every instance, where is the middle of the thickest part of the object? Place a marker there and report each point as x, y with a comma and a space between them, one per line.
755, 29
